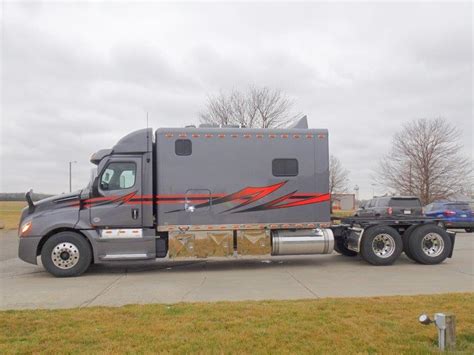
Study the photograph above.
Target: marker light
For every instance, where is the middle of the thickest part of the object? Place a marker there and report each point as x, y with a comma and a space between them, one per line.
25, 228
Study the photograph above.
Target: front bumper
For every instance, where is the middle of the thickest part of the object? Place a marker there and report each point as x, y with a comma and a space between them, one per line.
27, 249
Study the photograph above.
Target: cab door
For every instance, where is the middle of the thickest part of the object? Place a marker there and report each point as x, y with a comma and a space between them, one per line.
118, 203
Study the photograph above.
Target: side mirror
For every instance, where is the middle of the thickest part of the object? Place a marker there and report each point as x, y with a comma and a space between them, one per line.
104, 185
29, 199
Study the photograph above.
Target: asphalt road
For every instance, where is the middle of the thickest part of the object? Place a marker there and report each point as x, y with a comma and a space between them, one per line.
28, 286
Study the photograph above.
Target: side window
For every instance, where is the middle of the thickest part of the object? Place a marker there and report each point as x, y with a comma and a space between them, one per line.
371, 203
285, 167
118, 176
183, 147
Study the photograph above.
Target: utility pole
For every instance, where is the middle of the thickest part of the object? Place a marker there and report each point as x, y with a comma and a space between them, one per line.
373, 189
356, 189
70, 174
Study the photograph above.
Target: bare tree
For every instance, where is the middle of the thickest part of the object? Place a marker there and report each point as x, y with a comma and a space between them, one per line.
338, 176
257, 107
426, 161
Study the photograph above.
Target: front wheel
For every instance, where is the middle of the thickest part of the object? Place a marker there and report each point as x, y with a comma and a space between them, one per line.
430, 244
469, 230
381, 245
66, 254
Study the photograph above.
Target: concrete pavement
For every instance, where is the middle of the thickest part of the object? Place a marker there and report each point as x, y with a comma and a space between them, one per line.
28, 286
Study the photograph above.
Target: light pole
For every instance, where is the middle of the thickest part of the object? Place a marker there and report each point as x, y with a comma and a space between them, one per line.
70, 174
356, 189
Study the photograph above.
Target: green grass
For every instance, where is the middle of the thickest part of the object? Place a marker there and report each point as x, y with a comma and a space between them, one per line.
345, 325
10, 213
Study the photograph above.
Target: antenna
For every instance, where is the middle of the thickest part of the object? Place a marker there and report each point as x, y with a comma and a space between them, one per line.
147, 133
147, 137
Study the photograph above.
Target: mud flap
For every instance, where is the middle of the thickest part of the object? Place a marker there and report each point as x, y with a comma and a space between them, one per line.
452, 235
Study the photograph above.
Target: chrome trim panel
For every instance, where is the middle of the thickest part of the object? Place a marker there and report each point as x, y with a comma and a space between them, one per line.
124, 256
216, 227
121, 233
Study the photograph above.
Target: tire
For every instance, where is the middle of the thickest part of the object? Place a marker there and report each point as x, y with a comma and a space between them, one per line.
381, 245
430, 244
469, 230
340, 247
406, 239
66, 254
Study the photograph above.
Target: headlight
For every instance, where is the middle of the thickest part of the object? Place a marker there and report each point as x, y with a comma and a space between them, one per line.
25, 228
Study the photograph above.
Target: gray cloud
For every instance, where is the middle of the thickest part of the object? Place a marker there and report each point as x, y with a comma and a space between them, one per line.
77, 77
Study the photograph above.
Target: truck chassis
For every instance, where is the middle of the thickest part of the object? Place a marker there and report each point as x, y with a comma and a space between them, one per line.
203, 192
380, 241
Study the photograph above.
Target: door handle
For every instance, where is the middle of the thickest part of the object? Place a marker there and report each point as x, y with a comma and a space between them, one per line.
134, 213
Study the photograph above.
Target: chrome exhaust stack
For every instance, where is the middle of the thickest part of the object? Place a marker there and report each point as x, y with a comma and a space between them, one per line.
301, 242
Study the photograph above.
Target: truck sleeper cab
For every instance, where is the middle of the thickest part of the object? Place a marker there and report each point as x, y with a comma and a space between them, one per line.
198, 193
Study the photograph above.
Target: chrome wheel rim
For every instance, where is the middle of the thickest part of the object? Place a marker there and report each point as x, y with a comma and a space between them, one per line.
383, 245
65, 255
432, 244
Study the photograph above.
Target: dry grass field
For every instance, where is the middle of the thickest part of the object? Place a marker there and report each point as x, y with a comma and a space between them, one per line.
342, 214
384, 325
10, 213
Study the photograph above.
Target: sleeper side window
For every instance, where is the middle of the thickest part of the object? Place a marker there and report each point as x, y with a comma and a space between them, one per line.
183, 147
118, 176
285, 167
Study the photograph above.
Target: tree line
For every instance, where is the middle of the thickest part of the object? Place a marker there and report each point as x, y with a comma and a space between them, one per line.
425, 158
20, 196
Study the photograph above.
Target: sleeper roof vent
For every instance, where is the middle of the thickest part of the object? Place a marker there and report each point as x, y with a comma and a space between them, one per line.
302, 123
212, 125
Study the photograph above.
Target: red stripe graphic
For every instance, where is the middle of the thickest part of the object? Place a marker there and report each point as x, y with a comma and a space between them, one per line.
245, 197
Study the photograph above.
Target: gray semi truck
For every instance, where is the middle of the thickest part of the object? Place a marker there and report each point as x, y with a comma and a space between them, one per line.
202, 192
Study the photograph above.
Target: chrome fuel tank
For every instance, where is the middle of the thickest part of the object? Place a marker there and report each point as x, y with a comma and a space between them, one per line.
300, 242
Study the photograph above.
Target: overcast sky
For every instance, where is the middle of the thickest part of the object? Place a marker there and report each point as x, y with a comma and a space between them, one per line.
77, 77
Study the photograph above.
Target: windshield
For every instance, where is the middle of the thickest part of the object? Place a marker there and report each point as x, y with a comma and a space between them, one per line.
458, 206
405, 202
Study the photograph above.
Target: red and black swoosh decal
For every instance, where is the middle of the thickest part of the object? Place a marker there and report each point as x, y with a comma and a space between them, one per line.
252, 194
243, 198
278, 202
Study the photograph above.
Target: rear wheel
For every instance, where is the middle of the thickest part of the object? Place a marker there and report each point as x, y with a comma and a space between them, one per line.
381, 245
469, 230
430, 244
341, 248
66, 254
406, 239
